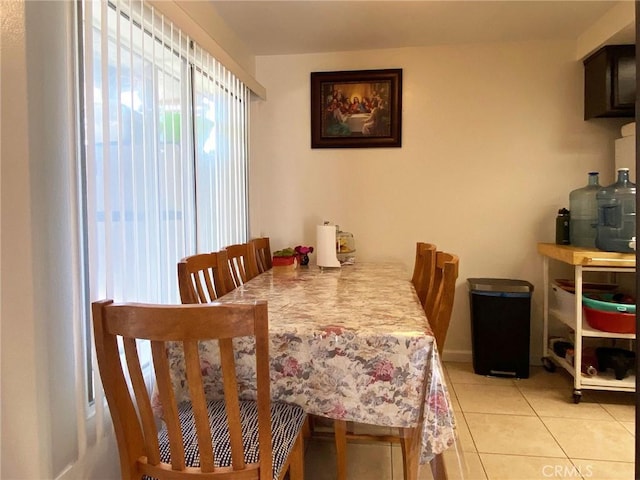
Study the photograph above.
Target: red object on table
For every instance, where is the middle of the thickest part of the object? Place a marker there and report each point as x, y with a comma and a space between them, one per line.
283, 261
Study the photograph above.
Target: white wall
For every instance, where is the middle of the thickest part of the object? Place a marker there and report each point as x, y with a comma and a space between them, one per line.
493, 142
21, 423
39, 253
616, 26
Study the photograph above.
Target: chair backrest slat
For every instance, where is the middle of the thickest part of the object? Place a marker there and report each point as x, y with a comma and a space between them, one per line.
142, 400
227, 362
424, 270
199, 405
262, 250
237, 271
417, 266
264, 392
169, 407
434, 292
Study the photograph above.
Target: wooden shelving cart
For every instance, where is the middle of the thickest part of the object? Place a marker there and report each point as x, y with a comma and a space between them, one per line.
582, 260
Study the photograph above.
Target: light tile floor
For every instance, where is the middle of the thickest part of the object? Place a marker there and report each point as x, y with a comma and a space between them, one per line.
511, 429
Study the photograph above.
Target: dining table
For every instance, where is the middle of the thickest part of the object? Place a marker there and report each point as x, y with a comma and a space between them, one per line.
350, 343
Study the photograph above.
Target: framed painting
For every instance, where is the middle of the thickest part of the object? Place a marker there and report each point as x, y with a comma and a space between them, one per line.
356, 109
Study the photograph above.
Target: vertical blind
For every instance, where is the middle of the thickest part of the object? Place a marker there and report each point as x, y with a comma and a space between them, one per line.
166, 154
163, 166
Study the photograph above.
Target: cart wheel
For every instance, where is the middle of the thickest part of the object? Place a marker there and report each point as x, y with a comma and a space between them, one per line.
577, 396
548, 365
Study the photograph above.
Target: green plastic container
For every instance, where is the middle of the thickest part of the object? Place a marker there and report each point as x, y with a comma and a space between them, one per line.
607, 303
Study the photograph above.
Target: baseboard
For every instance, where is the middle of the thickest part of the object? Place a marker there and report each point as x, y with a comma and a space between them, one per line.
457, 356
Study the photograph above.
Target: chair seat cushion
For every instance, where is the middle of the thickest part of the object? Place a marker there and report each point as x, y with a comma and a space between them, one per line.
286, 423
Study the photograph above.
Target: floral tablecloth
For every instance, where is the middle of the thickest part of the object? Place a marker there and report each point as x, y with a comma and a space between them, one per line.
350, 343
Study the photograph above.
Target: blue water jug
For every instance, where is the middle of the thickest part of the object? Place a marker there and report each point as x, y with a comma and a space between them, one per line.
617, 215
584, 213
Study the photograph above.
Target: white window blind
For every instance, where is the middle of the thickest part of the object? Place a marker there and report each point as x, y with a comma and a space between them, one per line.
164, 161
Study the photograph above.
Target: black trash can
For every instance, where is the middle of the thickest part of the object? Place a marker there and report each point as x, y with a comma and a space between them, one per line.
500, 322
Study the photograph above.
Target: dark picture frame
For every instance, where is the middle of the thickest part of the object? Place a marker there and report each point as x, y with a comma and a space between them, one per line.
356, 109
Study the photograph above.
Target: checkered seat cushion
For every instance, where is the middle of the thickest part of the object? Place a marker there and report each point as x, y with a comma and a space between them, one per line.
286, 423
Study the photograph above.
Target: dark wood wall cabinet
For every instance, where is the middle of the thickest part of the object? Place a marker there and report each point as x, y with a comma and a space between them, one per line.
610, 82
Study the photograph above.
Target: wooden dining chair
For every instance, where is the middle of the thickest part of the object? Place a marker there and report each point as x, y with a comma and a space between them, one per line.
443, 272
424, 269
262, 251
410, 442
439, 304
241, 263
199, 439
202, 278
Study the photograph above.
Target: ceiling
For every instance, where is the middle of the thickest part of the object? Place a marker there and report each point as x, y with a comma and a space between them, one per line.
295, 27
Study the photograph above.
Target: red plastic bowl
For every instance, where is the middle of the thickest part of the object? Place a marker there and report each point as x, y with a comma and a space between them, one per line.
614, 322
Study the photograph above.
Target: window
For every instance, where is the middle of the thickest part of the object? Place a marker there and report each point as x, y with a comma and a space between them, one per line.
164, 166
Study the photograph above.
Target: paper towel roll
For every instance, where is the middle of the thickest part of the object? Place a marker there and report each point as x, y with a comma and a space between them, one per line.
326, 246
